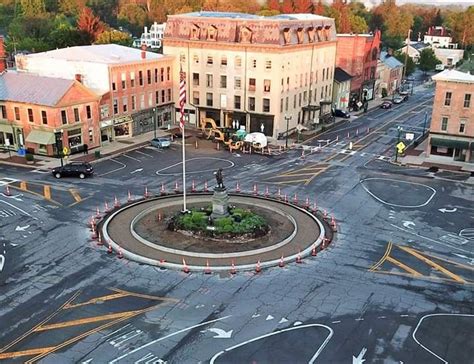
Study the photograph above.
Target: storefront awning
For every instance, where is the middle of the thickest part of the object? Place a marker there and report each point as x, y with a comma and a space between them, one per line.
40, 137
449, 143
6, 128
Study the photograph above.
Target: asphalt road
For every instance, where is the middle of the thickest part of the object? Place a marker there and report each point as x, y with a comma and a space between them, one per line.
396, 285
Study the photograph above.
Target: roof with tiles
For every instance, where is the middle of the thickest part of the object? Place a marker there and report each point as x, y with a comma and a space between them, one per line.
97, 53
30, 89
390, 60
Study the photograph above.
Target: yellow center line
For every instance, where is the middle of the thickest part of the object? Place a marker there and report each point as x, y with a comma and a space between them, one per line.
16, 354
140, 295
433, 264
387, 252
315, 175
84, 321
404, 266
97, 299
290, 182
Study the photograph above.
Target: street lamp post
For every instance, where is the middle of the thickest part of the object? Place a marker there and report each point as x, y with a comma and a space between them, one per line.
154, 122
424, 123
58, 134
287, 118
399, 129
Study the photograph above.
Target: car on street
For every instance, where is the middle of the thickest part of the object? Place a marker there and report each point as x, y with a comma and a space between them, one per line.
161, 142
341, 113
398, 99
386, 105
74, 169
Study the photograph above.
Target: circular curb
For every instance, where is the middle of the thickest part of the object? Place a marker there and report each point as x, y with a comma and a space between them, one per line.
244, 267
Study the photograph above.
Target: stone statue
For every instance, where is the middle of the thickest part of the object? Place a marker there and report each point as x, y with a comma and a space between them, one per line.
219, 178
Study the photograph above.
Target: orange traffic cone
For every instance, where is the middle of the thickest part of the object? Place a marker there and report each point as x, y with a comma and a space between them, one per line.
185, 267
7, 191
313, 251
129, 197
255, 189
282, 263
295, 199
99, 239
298, 258
306, 204
193, 186
97, 212
120, 254
279, 193
146, 195
232, 268
109, 250
162, 190
205, 186
237, 187
94, 233
258, 269
116, 202
176, 187
106, 207
207, 270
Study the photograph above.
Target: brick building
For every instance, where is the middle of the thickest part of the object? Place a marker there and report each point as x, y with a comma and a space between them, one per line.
3, 55
357, 54
451, 135
135, 86
254, 71
33, 107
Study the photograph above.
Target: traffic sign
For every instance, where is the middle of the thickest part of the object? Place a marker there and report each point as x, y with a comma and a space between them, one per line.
401, 147
65, 150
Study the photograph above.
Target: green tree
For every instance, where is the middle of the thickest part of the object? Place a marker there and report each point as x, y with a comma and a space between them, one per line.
133, 17
32, 7
410, 66
428, 60
114, 36
71, 7
358, 24
106, 10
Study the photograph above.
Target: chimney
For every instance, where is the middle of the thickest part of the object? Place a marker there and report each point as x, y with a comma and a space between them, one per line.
78, 77
389, 52
3, 56
143, 51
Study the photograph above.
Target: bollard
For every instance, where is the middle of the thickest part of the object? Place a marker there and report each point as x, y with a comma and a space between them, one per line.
116, 202
281, 264
129, 197
207, 270
162, 190
237, 187
279, 193
298, 258
205, 186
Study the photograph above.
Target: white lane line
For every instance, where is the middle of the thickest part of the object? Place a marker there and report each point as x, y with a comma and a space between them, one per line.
432, 315
160, 172
2, 262
127, 156
122, 166
399, 181
432, 240
315, 356
166, 337
22, 211
145, 154
114, 332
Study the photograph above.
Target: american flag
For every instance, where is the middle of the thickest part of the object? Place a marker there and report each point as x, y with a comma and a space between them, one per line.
182, 96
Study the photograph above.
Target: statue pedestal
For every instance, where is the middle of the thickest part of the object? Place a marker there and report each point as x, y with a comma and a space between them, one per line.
220, 203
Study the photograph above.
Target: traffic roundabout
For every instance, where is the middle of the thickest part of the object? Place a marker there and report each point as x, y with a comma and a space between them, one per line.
138, 231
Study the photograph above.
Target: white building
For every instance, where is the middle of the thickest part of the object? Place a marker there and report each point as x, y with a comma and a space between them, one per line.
438, 37
153, 38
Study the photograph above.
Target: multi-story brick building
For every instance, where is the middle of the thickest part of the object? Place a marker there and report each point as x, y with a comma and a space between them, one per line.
33, 107
255, 71
135, 86
452, 122
357, 54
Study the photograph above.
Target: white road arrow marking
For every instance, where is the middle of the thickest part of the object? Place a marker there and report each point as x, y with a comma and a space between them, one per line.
408, 224
221, 334
269, 317
22, 228
282, 320
360, 358
2, 262
444, 210
297, 323
255, 315
136, 170
87, 361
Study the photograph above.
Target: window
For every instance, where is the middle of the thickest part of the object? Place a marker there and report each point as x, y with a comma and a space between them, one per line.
162, 75
156, 75
299, 100
467, 100
266, 105
44, 117
444, 123
237, 102
182, 58
223, 83
237, 83
162, 96
266, 85
91, 135
447, 99
281, 105
238, 62
254, 63
125, 104
104, 111
196, 97
88, 112
114, 86
252, 84
132, 79
209, 80
294, 102
150, 99
210, 61
77, 118
31, 119
324, 73
3, 112
462, 126
148, 76
195, 79
168, 73
134, 102
140, 78
286, 104
115, 106
124, 81
63, 116
168, 92
209, 99
157, 97
252, 103
268, 65
196, 58
142, 101
224, 61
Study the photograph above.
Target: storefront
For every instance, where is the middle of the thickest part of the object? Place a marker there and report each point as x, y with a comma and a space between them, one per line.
74, 138
7, 140
143, 121
262, 124
40, 141
119, 127
454, 149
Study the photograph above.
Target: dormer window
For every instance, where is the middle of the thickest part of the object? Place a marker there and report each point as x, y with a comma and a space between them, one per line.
287, 35
195, 32
245, 35
311, 34
326, 32
300, 35
212, 33
319, 31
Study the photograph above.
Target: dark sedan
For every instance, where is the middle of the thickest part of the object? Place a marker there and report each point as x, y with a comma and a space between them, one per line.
341, 113
74, 169
386, 105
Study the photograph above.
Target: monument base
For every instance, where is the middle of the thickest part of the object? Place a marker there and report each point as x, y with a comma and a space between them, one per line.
220, 203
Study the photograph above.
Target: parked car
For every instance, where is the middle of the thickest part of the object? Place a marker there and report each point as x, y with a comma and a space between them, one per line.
341, 113
74, 169
398, 99
386, 105
161, 142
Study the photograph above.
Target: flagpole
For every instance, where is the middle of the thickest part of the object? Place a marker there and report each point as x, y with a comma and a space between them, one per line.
184, 171
182, 102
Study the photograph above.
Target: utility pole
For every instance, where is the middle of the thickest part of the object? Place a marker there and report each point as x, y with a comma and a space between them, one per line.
287, 118
399, 128
424, 123
406, 55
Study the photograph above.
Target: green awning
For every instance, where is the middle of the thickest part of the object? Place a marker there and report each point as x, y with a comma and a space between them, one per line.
6, 128
449, 143
40, 137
